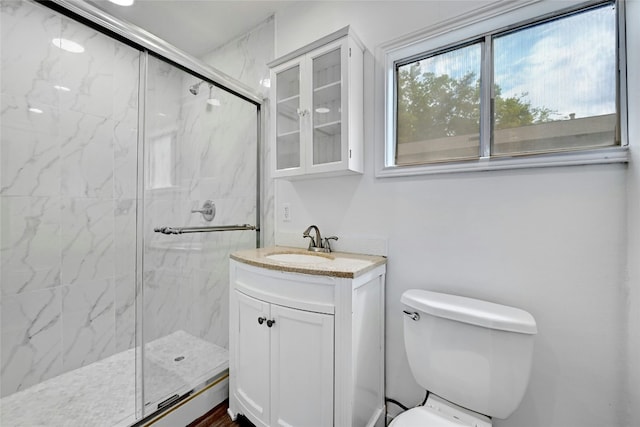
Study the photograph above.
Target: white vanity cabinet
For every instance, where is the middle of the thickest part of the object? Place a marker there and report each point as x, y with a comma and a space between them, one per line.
317, 108
285, 369
306, 350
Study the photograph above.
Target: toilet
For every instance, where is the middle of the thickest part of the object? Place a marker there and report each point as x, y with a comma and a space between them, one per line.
472, 356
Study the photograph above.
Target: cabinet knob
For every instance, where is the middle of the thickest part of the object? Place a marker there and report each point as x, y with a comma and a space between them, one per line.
261, 320
270, 323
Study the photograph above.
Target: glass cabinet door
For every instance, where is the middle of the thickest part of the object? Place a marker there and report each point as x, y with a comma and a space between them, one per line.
327, 107
288, 118
317, 105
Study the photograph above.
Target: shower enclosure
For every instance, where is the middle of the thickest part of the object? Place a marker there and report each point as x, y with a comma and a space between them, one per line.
123, 162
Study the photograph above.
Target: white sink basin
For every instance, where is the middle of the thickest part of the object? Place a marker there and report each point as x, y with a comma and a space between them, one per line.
299, 258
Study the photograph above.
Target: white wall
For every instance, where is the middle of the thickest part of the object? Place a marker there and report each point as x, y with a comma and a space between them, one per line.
633, 201
551, 241
306, 21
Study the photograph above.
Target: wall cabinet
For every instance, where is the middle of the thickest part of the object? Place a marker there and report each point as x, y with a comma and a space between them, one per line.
306, 350
317, 108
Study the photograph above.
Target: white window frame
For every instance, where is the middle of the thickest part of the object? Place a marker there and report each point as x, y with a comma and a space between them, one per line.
492, 18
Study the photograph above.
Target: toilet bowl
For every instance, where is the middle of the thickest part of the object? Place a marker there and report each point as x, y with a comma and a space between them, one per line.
472, 356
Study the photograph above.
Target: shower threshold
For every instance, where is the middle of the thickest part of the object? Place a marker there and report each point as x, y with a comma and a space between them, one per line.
104, 392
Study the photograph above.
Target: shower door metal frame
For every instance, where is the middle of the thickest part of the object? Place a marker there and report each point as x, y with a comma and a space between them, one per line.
139, 288
149, 44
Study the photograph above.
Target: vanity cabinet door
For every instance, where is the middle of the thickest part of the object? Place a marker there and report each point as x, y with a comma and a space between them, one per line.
301, 368
252, 357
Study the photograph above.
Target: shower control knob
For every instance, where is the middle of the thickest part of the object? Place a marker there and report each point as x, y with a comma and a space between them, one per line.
270, 323
261, 320
208, 210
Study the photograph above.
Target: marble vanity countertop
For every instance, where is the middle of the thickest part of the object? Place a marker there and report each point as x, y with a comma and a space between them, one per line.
340, 264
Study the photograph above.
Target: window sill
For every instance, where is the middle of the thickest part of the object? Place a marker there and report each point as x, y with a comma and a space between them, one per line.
600, 156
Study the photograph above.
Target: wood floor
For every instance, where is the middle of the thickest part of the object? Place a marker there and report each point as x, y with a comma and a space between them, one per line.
218, 417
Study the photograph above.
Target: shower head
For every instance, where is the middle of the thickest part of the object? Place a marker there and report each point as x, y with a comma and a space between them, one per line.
194, 89
213, 101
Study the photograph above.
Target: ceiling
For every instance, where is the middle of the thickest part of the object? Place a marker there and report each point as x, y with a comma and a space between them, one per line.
194, 26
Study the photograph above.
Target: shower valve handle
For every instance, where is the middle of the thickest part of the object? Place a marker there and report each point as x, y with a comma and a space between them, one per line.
208, 210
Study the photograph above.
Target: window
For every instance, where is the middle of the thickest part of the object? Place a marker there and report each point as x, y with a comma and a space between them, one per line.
554, 84
438, 107
544, 87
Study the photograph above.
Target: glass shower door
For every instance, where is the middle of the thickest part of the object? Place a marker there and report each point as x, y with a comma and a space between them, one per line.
200, 145
68, 149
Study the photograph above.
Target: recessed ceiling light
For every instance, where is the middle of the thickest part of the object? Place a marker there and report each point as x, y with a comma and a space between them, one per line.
322, 110
35, 110
122, 2
68, 45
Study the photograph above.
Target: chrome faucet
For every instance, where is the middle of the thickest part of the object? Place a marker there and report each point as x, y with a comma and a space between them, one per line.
313, 243
318, 244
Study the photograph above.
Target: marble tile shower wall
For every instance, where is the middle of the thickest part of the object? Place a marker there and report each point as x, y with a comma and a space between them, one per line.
225, 158
186, 276
68, 188
68, 194
246, 58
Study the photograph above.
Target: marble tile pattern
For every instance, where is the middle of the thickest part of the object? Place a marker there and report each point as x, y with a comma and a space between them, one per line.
245, 58
67, 195
100, 394
69, 202
186, 276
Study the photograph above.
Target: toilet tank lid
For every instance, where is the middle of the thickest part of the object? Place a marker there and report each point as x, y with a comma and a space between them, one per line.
468, 310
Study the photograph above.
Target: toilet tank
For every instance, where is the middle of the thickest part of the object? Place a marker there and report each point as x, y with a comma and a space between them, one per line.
474, 353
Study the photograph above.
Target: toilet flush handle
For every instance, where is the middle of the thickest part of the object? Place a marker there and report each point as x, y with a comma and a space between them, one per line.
413, 315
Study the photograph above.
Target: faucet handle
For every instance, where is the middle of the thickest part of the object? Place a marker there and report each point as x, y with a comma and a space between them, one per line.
326, 243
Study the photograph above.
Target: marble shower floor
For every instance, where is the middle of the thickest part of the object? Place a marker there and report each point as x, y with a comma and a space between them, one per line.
103, 393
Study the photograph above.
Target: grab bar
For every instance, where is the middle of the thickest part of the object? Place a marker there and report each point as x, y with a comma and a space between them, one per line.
184, 230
